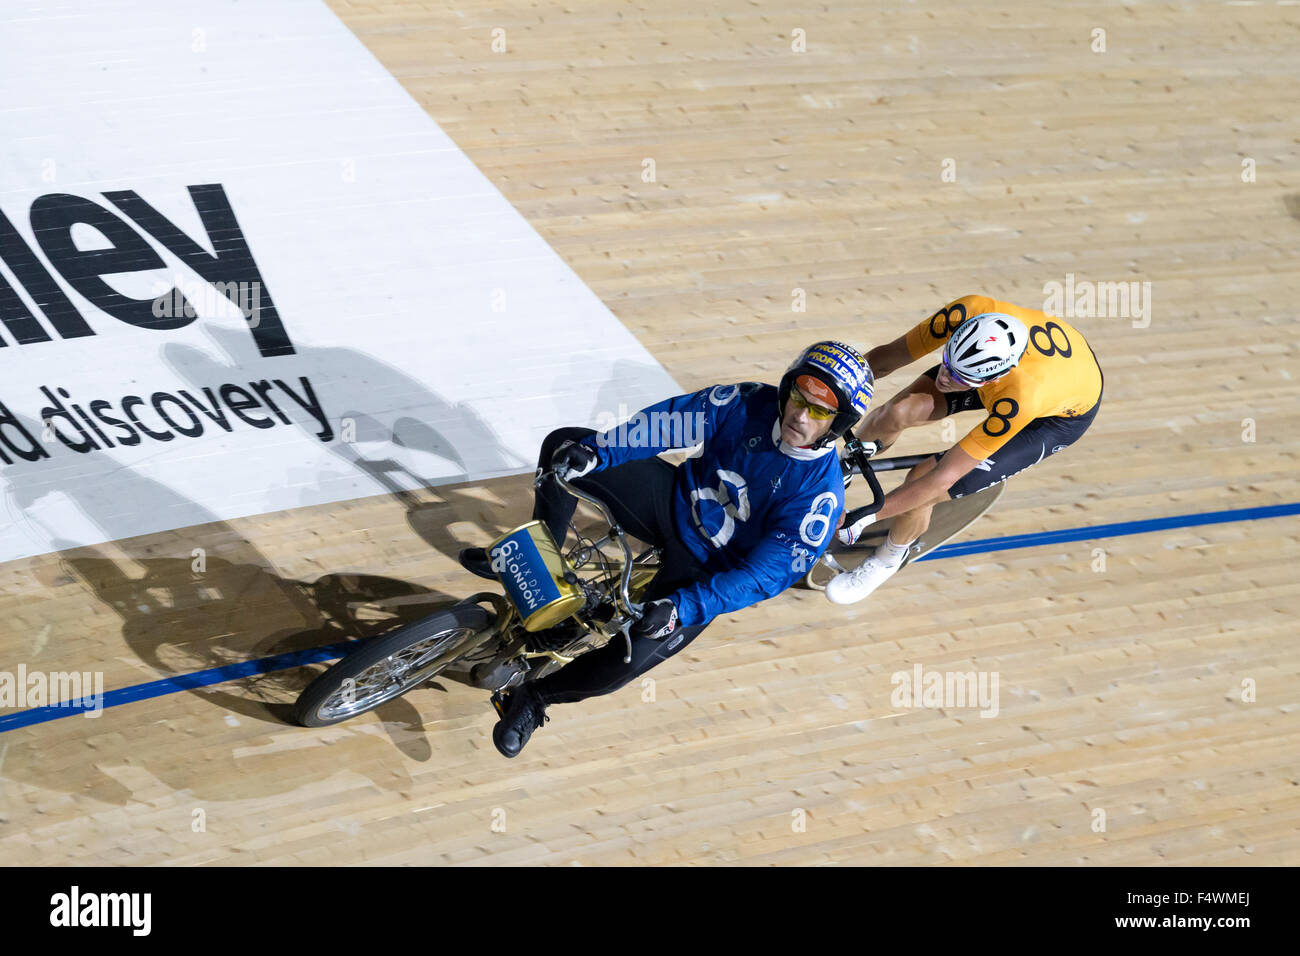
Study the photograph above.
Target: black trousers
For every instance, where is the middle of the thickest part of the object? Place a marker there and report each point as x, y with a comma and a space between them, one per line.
640, 496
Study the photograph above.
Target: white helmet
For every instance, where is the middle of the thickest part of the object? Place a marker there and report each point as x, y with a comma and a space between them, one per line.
985, 346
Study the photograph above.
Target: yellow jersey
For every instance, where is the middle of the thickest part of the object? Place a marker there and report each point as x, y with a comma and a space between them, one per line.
1057, 376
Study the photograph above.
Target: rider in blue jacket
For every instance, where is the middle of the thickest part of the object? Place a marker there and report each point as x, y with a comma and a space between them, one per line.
737, 524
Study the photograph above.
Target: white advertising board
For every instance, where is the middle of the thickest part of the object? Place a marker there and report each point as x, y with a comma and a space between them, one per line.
242, 271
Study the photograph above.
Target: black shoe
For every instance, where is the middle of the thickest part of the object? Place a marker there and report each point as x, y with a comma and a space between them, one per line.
475, 561
521, 714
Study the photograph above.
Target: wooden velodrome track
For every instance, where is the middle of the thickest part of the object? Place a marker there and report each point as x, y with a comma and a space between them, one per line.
1121, 688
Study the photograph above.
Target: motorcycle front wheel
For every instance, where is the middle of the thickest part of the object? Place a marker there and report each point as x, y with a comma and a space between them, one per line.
388, 666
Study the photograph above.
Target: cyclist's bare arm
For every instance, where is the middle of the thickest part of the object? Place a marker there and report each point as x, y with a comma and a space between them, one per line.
888, 358
917, 403
930, 488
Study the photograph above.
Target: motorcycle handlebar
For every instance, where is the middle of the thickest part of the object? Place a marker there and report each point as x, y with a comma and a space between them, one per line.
633, 609
861, 463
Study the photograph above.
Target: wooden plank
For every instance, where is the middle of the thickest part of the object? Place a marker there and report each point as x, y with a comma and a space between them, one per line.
1121, 682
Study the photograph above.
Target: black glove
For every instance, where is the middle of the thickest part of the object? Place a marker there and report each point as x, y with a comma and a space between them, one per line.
658, 620
573, 460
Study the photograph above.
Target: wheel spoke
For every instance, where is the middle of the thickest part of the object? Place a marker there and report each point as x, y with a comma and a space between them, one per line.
387, 678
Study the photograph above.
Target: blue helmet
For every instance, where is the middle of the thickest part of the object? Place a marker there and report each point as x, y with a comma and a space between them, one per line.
843, 370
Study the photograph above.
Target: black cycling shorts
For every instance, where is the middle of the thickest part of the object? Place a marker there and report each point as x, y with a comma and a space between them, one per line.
1041, 438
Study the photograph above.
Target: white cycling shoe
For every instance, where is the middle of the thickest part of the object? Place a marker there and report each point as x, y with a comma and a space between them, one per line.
852, 586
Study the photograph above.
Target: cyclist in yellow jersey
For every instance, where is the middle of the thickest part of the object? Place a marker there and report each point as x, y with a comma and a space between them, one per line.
1033, 374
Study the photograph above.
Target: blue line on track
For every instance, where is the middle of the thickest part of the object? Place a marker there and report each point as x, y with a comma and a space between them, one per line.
1038, 538
170, 685
265, 665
